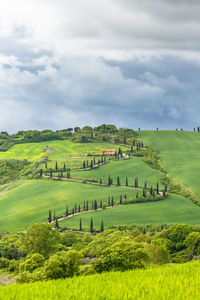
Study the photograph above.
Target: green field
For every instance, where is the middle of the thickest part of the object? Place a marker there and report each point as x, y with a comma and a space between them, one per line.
30, 201
130, 168
63, 150
179, 154
166, 282
175, 209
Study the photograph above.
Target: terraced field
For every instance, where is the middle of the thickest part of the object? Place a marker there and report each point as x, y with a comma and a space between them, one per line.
30, 201
179, 153
175, 209
130, 168
54, 150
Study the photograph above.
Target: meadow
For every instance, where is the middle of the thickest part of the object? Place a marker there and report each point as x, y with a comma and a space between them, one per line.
175, 209
130, 168
63, 149
164, 282
179, 154
30, 201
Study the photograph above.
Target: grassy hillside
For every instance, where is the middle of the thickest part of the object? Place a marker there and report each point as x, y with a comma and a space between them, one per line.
179, 154
175, 209
166, 282
130, 168
30, 201
63, 149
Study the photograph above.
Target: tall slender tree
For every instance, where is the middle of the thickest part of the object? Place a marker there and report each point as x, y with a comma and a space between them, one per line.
112, 201
102, 226
91, 226
109, 201
56, 166
118, 181
79, 208
54, 216
75, 208
45, 165
120, 201
57, 225
64, 167
84, 205
49, 218
126, 181
87, 206
157, 188
67, 212
95, 204
80, 225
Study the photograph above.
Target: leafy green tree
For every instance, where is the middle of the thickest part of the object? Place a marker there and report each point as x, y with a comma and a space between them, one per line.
62, 265
121, 256
192, 243
42, 239
158, 254
32, 262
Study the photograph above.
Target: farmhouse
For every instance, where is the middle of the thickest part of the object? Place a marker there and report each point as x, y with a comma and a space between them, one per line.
109, 152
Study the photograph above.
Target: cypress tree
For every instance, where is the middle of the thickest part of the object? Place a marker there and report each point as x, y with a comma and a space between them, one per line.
46, 165
72, 211
151, 191
109, 201
95, 205
91, 226
84, 165
80, 225
87, 164
145, 185
41, 172
126, 181
120, 201
121, 154
109, 181
51, 175
102, 226
125, 196
131, 149
67, 212
87, 206
100, 182
75, 208
112, 201
58, 175
57, 225
49, 219
118, 181
64, 167
137, 195
79, 208
91, 164
101, 204
94, 161
84, 205
56, 166
54, 216
157, 188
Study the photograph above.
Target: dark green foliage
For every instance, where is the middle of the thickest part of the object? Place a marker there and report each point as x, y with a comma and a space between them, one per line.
80, 225
67, 212
91, 226
102, 226
49, 218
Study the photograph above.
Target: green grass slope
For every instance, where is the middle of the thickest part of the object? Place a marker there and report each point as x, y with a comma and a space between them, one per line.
63, 149
179, 154
130, 168
166, 282
175, 209
30, 202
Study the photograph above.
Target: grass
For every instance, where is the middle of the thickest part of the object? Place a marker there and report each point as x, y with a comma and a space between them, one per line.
30, 201
179, 154
63, 150
130, 168
175, 209
165, 282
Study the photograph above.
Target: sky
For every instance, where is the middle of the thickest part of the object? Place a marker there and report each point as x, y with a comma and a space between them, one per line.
68, 63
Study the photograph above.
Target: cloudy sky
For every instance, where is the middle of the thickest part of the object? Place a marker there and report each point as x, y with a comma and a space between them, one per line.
134, 63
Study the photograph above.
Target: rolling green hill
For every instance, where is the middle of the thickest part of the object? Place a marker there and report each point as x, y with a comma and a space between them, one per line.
165, 282
175, 209
30, 201
61, 150
179, 153
130, 168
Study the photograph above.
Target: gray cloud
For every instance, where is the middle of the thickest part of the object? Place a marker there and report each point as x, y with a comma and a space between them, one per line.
133, 63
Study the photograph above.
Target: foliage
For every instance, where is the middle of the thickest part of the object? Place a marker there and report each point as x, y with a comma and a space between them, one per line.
42, 239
